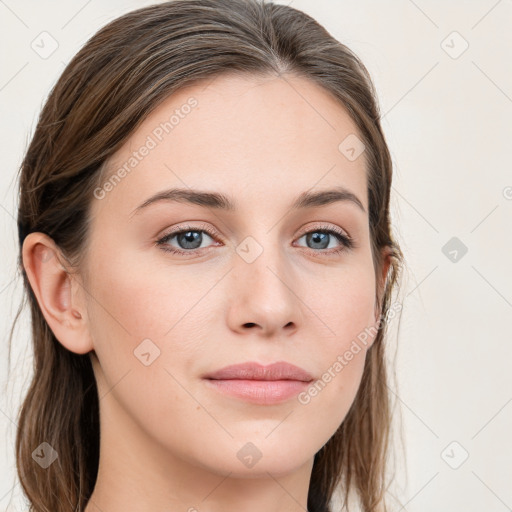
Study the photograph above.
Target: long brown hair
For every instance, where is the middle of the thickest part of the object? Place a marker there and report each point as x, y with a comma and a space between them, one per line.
121, 75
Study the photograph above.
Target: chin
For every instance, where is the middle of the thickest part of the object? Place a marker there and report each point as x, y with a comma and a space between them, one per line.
251, 462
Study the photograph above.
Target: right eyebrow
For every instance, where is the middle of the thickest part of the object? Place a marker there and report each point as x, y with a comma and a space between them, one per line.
184, 195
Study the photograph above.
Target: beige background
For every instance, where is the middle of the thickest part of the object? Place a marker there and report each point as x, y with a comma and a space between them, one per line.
447, 112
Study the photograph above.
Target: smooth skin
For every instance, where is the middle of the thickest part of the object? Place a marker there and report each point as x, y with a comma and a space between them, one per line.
168, 441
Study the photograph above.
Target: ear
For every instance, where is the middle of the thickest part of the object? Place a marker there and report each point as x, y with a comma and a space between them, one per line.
381, 281
59, 295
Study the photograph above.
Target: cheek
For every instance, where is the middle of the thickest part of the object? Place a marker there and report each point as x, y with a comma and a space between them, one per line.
346, 315
344, 305
146, 326
142, 322
131, 298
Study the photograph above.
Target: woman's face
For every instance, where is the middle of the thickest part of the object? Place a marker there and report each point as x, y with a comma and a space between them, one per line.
266, 280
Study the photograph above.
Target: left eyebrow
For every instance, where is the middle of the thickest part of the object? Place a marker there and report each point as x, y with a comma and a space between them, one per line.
220, 201
325, 197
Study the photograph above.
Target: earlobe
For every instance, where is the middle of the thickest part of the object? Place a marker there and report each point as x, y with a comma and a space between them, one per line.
53, 287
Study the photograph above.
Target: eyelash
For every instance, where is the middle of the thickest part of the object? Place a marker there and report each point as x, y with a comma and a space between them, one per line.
347, 242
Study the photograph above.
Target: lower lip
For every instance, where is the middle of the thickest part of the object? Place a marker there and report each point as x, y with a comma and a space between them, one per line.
264, 392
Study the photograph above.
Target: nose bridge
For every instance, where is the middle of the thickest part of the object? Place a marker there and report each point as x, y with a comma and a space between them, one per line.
259, 260
261, 284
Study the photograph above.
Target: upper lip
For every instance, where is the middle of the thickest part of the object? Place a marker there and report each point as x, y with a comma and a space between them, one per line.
256, 371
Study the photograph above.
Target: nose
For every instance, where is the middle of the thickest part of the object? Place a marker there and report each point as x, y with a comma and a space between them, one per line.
262, 296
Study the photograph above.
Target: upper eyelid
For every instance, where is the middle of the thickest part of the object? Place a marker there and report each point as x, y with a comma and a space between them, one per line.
211, 232
322, 225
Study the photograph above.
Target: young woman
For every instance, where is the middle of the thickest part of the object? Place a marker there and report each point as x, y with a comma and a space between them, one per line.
206, 247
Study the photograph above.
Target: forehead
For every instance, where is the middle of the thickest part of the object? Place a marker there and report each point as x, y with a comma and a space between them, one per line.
247, 136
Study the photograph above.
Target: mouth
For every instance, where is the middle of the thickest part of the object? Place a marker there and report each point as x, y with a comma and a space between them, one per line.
259, 384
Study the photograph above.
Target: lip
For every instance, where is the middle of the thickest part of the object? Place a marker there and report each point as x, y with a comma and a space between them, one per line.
256, 371
260, 384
